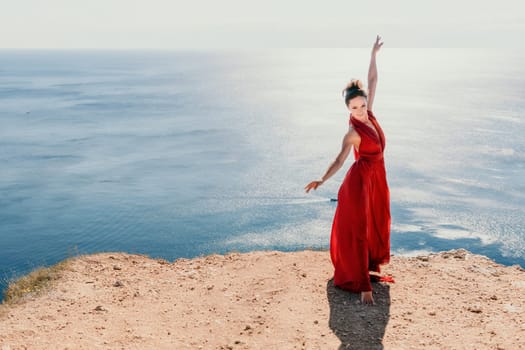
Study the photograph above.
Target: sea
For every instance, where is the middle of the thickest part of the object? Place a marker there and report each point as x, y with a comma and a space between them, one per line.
184, 153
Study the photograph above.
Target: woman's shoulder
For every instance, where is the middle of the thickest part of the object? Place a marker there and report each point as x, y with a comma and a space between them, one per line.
352, 135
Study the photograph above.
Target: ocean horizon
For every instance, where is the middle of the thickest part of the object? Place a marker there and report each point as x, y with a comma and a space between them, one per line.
178, 154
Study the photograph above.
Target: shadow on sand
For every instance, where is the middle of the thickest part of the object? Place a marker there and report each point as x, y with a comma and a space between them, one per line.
356, 325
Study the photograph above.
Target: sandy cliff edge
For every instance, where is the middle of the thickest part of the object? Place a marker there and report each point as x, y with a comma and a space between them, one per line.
270, 300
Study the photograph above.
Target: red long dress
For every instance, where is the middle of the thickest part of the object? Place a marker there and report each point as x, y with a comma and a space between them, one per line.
360, 238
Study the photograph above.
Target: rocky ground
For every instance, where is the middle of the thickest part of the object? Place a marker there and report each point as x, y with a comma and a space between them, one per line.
270, 300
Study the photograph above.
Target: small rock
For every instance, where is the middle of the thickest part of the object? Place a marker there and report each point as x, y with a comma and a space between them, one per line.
248, 327
474, 309
494, 297
303, 274
100, 308
115, 267
460, 254
423, 258
316, 322
118, 284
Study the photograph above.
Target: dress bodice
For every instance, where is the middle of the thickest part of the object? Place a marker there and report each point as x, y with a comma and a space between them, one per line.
372, 143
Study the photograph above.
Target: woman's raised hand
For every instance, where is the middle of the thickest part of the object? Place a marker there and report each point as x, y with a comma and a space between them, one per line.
377, 45
313, 185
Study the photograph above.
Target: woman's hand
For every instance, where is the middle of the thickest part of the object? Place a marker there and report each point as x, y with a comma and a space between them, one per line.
377, 45
313, 185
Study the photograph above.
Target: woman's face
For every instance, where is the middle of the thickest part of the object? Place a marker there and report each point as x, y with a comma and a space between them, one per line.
357, 106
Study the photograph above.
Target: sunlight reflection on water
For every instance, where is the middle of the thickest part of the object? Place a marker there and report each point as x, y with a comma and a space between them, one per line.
178, 154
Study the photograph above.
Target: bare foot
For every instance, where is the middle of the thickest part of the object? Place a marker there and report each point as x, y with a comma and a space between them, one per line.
367, 298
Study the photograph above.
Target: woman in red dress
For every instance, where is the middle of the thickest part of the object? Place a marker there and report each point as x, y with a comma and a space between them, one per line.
360, 238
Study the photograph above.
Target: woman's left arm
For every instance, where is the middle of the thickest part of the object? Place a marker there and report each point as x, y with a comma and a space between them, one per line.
372, 73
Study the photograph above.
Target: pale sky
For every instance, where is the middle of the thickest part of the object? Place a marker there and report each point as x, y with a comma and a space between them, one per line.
165, 24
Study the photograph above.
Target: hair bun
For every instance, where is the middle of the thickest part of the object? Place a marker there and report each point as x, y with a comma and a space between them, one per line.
354, 88
355, 84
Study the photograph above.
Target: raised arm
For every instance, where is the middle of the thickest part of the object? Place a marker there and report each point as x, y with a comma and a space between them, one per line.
372, 73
